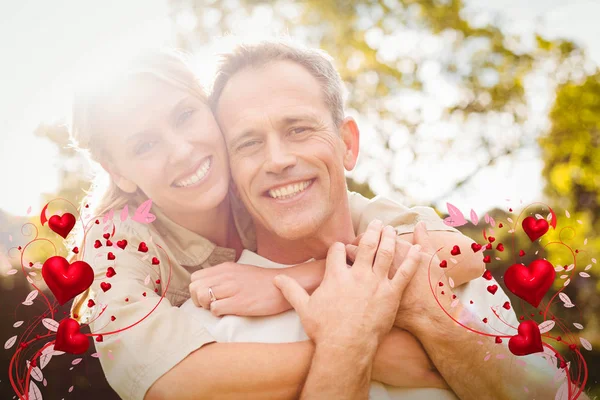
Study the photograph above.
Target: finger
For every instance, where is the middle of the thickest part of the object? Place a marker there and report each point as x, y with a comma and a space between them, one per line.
407, 269
356, 240
402, 248
422, 237
336, 259
221, 307
368, 246
293, 293
351, 252
385, 253
202, 294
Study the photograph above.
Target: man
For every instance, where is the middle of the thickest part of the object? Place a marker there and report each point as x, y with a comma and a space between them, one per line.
289, 146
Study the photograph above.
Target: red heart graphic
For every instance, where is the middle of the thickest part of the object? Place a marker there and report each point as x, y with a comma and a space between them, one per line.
112, 317
506, 305
106, 235
108, 243
498, 339
155, 261
91, 303
143, 248
475, 247
99, 338
535, 228
530, 283
69, 339
76, 250
110, 256
500, 225
63, 224
488, 246
492, 289
97, 244
105, 286
487, 275
444, 264
521, 253
122, 244
66, 280
500, 247
492, 239
487, 259
455, 250
485, 320
527, 341
110, 272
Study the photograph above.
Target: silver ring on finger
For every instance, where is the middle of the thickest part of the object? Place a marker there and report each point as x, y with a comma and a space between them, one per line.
212, 295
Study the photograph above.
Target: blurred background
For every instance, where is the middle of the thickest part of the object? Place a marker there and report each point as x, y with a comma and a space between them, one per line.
489, 105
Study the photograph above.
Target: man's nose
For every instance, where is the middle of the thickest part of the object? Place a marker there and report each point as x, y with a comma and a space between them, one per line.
278, 158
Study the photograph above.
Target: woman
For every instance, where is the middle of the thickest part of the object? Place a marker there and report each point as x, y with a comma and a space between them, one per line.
151, 130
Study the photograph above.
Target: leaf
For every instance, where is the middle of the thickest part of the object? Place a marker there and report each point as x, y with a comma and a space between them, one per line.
570, 267
558, 268
451, 282
124, 213
577, 325
589, 266
474, 217
487, 357
546, 326
584, 275
45, 382
594, 260
44, 360
586, 345
580, 222
487, 218
37, 265
564, 298
456, 217
10, 342
95, 355
453, 261
569, 305
509, 220
50, 324
70, 389
29, 280
11, 272
538, 216
32, 273
566, 283
17, 324
27, 303
36, 373
564, 276
549, 217
34, 392
147, 280
567, 214
143, 215
76, 361
32, 295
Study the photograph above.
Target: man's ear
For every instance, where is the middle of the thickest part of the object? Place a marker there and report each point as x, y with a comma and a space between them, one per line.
351, 138
122, 183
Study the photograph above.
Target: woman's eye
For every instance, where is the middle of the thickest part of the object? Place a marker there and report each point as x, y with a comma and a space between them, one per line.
184, 116
144, 147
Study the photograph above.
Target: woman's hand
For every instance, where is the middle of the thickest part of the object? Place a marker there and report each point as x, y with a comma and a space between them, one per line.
240, 289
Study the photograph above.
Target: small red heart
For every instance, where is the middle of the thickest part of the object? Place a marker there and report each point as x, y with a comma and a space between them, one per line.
105, 286
521, 253
69, 339
143, 248
63, 224
440, 284
455, 250
97, 244
498, 339
488, 246
108, 243
492, 289
155, 261
112, 318
500, 225
144, 294
558, 338
31, 264
110, 272
487, 275
500, 247
76, 250
535, 228
572, 346
99, 338
506, 305
487, 259
127, 299
97, 222
110, 256
491, 239
106, 235
453, 296
510, 210
475, 247
527, 341
122, 244
156, 290
485, 320
91, 303
471, 301
522, 317
443, 264
87, 206
66, 280
532, 282
158, 281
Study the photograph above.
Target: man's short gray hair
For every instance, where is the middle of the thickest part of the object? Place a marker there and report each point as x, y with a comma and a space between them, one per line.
257, 55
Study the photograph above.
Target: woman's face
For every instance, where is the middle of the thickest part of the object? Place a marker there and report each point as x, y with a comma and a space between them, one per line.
166, 142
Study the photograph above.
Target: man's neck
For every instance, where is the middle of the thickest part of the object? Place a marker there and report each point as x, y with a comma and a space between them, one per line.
338, 229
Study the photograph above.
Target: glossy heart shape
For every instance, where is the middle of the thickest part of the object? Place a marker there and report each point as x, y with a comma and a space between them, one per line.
487, 275
69, 339
122, 244
66, 280
455, 250
143, 248
63, 224
527, 341
444, 264
110, 272
105, 286
492, 289
475, 247
530, 283
535, 228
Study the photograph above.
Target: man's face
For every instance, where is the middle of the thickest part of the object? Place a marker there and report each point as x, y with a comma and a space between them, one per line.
287, 158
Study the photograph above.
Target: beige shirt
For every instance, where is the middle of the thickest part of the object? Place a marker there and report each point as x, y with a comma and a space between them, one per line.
135, 358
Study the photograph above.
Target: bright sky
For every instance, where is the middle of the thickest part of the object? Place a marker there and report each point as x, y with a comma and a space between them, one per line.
43, 43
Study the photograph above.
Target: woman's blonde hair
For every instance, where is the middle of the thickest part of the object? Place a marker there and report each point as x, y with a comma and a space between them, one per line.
90, 112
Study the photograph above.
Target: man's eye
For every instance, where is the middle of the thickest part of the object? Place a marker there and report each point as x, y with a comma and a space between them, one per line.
247, 144
144, 147
184, 116
297, 131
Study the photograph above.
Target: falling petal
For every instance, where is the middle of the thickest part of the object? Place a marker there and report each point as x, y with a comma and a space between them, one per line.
453, 260
566, 283
76, 361
474, 217
509, 220
538, 216
585, 242
589, 266
570, 267
95, 355
451, 282
564, 276
10, 342
594, 260
147, 280
70, 389
584, 275
546, 326
567, 214
577, 325
11, 272
564, 298
586, 345
487, 357
50, 324
17, 324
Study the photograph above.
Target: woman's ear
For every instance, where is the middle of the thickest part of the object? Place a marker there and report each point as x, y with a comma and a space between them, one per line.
351, 138
122, 183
